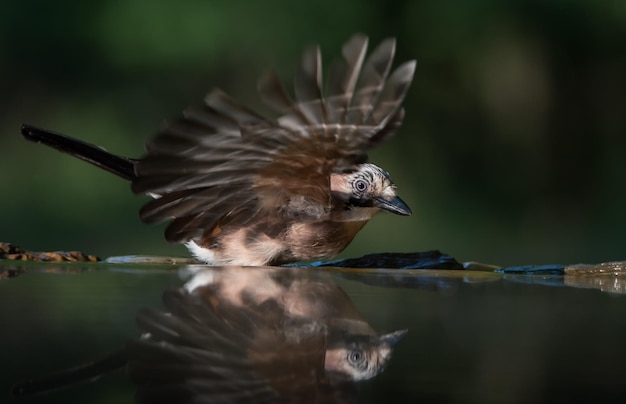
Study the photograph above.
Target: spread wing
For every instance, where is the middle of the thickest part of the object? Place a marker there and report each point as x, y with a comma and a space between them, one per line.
224, 163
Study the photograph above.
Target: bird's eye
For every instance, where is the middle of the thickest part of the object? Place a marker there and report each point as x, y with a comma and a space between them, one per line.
355, 357
360, 185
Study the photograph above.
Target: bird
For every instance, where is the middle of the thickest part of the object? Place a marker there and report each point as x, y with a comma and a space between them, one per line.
239, 188
243, 334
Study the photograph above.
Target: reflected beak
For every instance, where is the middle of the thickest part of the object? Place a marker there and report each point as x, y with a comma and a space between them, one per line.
396, 205
392, 338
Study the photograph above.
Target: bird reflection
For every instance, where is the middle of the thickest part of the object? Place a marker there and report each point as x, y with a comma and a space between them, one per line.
262, 335
241, 335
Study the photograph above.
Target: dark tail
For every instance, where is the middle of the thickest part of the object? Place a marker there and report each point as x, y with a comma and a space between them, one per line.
71, 377
121, 166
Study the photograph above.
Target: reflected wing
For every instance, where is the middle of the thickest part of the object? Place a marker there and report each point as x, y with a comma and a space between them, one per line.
222, 162
198, 353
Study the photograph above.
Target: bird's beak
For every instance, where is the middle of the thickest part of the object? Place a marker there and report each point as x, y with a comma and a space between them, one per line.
395, 205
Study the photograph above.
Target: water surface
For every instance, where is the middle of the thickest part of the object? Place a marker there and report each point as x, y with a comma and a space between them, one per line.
473, 337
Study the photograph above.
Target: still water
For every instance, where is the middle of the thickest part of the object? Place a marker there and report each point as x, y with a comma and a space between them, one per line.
313, 334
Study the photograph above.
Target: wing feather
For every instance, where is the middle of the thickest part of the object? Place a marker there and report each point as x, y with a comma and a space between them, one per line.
343, 77
390, 101
308, 88
372, 80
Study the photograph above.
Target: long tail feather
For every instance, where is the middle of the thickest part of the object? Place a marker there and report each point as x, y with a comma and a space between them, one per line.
71, 377
120, 166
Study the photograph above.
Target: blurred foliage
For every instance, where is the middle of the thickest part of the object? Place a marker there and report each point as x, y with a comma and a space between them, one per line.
511, 151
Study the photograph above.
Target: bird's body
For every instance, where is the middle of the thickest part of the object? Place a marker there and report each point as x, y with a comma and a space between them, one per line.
297, 241
241, 189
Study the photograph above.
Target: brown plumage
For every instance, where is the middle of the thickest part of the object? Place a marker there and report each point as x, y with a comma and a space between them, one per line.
241, 189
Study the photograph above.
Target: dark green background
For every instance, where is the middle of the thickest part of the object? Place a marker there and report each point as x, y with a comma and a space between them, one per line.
512, 149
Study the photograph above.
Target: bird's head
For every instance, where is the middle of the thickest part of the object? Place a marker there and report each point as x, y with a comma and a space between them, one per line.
370, 187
